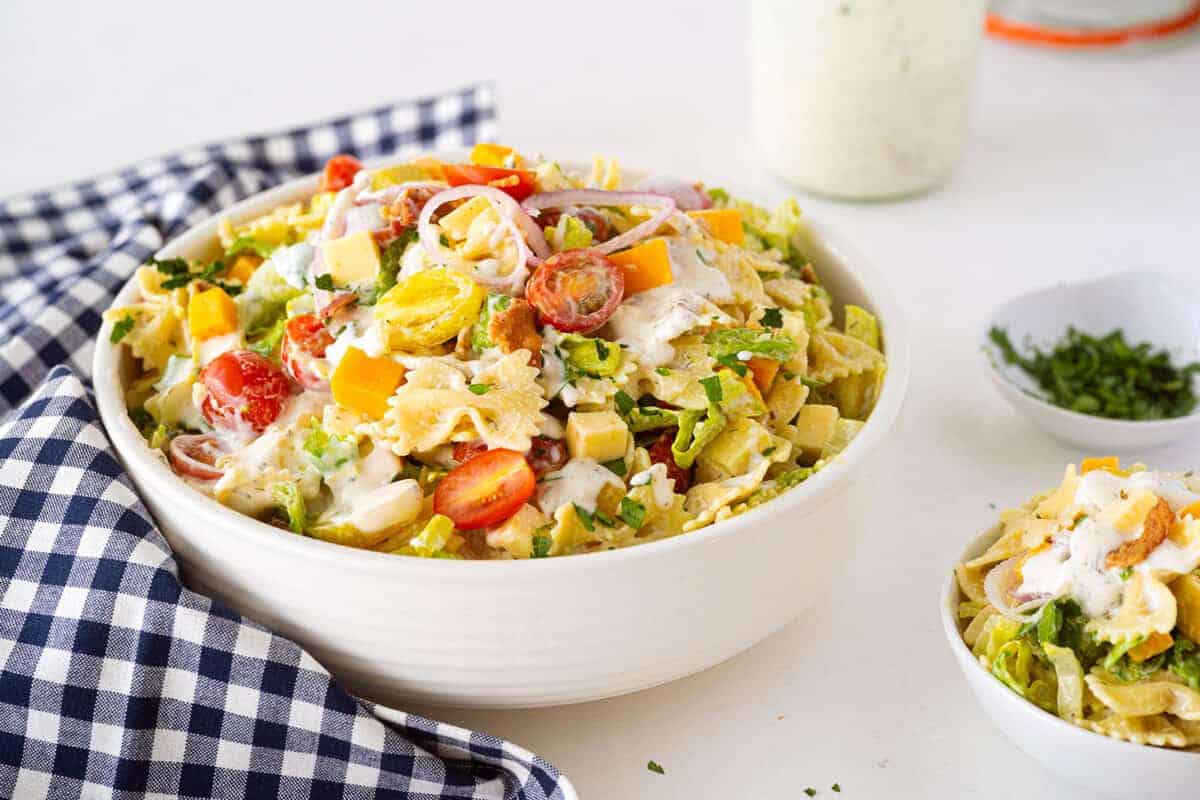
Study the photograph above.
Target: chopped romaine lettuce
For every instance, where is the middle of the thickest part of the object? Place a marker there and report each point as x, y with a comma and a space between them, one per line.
432, 540
390, 260
328, 452
481, 337
265, 298
291, 505
594, 358
696, 430
569, 234
729, 343
267, 344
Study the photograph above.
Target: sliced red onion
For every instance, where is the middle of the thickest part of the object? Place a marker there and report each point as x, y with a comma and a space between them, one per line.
685, 194
524, 230
366, 217
601, 197
995, 587
335, 218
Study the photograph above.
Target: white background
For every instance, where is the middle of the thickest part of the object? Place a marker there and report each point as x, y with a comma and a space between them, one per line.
1080, 164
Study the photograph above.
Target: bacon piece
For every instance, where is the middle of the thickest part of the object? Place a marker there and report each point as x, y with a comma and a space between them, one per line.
1156, 528
516, 327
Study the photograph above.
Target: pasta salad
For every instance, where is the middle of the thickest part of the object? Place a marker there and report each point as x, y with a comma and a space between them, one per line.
1088, 603
506, 358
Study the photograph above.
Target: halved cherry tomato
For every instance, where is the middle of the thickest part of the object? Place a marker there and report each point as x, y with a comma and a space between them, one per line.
339, 173
516, 183
194, 455
485, 490
304, 338
244, 389
576, 291
660, 453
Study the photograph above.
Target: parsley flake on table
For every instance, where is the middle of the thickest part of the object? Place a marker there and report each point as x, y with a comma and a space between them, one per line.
1105, 376
811, 792
654, 766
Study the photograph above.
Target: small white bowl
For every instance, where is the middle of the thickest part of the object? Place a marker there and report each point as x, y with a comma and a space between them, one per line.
1149, 306
518, 633
1110, 767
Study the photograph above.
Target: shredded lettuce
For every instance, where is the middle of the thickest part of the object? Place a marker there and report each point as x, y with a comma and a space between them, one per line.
244, 243
389, 262
291, 504
432, 540
1185, 662
264, 299
726, 344
571, 233
328, 452
1017, 668
267, 344
696, 430
481, 337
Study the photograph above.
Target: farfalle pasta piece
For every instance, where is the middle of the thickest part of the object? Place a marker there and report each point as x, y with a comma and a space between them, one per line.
1161, 693
739, 271
833, 355
678, 383
710, 502
808, 298
1060, 502
1154, 730
434, 406
598, 392
1147, 607
784, 402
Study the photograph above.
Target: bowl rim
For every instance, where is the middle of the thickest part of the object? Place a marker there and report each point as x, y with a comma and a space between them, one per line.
948, 597
1065, 414
153, 471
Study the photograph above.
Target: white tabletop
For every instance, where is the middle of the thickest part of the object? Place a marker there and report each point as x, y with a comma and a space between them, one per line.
1080, 164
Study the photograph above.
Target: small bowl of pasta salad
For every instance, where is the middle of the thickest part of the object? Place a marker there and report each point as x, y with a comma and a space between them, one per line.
494, 357
1076, 620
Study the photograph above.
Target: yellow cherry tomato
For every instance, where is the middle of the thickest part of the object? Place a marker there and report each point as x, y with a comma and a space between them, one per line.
428, 308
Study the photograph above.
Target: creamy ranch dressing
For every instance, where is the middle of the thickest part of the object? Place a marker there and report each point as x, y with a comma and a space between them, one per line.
863, 98
647, 322
690, 270
579, 481
1074, 565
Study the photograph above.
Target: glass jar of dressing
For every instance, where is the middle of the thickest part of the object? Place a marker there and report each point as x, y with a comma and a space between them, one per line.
863, 99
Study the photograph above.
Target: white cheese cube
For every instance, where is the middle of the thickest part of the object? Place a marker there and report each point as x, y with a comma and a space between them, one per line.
815, 426
599, 435
352, 259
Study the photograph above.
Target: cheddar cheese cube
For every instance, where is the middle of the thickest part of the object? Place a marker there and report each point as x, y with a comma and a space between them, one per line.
723, 223
646, 266
211, 313
364, 384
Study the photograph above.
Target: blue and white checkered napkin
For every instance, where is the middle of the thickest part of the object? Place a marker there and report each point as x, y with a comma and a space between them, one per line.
115, 680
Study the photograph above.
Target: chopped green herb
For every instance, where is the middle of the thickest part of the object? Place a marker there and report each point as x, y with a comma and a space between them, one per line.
788, 375
324, 281
585, 517
541, 546
734, 363
624, 402
772, 318
662, 371
141, 418
654, 766
1106, 376
837, 787
1126, 573
121, 328
604, 519
479, 388
632, 512
811, 792
616, 467
700, 255
712, 388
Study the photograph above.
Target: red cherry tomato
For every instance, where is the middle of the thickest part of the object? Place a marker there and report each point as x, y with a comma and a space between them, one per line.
304, 338
546, 455
516, 183
660, 453
485, 490
576, 291
194, 455
339, 173
244, 389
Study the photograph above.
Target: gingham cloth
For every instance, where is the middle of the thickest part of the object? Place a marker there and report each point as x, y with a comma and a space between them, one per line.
115, 679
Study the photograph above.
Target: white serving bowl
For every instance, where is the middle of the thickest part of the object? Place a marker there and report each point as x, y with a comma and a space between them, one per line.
1149, 306
517, 633
1110, 767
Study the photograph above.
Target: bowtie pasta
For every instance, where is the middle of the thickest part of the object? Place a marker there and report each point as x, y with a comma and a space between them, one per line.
499, 359
1088, 602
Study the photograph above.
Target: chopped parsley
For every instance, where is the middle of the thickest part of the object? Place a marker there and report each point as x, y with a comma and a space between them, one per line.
1126, 573
324, 281
1106, 376
624, 402
616, 467
479, 388
585, 517
811, 792
179, 274
632, 512
772, 318
121, 328
604, 519
656, 767
700, 255
541, 546
837, 787
712, 388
